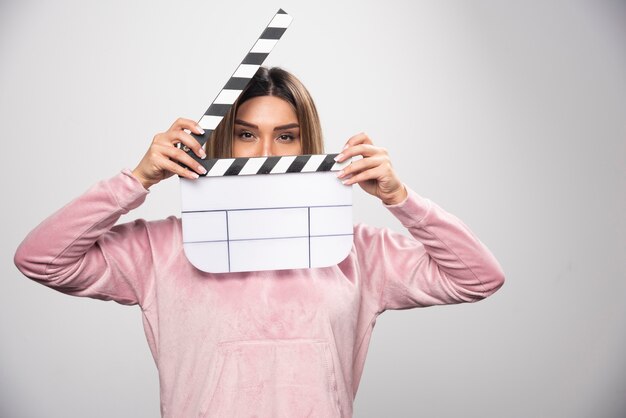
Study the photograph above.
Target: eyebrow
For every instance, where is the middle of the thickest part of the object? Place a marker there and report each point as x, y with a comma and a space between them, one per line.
278, 128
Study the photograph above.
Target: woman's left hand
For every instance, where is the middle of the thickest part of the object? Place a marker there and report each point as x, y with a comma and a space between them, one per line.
374, 172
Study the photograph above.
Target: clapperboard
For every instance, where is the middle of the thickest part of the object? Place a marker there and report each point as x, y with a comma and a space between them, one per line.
263, 213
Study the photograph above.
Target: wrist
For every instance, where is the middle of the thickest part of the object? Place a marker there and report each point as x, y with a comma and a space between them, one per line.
144, 182
396, 198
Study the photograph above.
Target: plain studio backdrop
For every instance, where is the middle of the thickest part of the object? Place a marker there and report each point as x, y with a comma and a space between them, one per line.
510, 115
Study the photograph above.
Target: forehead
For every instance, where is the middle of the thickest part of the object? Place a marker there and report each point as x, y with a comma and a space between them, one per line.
266, 109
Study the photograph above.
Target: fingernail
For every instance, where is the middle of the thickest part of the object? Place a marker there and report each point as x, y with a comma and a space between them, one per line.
346, 146
202, 169
338, 157
200, 129
202, 153
344, 181
195, 175
340, 173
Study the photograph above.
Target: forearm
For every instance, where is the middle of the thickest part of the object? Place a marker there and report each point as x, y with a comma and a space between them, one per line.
468, 270
59, 243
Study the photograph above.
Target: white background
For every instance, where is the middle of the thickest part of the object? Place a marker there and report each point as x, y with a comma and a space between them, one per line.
510, 115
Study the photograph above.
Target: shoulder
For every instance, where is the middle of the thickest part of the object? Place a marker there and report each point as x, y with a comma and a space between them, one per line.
159, 229
367, 238
363, 230
365, 235
171, 224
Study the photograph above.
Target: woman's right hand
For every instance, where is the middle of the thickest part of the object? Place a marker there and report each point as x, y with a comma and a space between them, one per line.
162, 158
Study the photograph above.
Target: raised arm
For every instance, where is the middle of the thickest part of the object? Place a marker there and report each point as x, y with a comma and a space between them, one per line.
79, 251
442, 263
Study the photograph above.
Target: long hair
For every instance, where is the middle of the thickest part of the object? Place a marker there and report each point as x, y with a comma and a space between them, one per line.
279, 83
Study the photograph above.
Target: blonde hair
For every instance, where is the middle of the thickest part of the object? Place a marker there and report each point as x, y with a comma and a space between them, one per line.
279, 83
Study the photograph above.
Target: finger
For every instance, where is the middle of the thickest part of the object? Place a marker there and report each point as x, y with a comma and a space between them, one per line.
182, 157
173, 137
365, 150
371, 174
361, 165
182, 123
360, 138
186, 139
172, 167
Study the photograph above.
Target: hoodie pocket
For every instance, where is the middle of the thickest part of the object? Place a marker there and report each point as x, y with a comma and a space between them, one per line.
273, 378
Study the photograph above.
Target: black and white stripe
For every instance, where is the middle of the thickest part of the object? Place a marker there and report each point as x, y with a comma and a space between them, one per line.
242, 75
218, 167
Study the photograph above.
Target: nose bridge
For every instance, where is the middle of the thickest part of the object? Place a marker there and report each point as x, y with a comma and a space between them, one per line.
267, 146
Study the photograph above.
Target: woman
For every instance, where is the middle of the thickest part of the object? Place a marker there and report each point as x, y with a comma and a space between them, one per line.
273, 343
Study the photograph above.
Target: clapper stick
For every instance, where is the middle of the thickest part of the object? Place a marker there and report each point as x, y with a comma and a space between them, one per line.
263, 213
217, 167
240, 79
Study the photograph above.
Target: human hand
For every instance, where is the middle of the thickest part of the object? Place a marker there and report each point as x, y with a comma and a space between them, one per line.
373, 172
163, 157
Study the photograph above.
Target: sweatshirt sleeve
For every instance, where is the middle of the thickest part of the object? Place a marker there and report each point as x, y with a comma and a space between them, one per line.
443, 262
79, 251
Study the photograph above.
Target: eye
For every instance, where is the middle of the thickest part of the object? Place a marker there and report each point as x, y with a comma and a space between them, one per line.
246, 135
286, 138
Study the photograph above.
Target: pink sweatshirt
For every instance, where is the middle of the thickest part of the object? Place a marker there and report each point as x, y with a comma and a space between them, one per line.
288, 343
